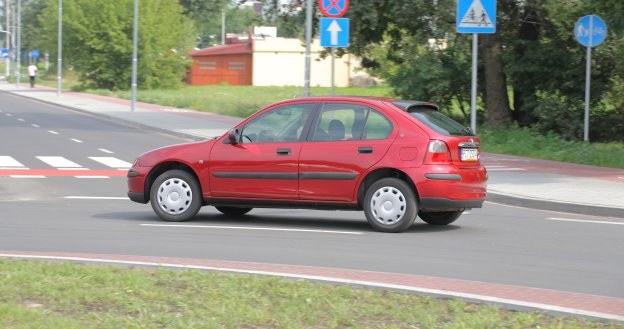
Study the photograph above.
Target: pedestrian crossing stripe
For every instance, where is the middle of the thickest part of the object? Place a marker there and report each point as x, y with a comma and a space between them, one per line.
475, 16
62, 167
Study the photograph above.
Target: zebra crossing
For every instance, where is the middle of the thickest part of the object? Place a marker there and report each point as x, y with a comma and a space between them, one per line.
59, 166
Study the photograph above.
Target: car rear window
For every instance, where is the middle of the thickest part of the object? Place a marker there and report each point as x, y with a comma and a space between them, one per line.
438, 121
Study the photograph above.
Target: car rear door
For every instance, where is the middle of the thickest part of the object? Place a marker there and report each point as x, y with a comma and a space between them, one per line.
346, 139
263, 163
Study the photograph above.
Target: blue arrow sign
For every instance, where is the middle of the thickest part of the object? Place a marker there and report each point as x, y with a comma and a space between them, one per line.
590, 30
476, 16
334, 32
4, 53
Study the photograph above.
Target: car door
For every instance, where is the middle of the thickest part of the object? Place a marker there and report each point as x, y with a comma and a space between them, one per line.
345, 141
263, 162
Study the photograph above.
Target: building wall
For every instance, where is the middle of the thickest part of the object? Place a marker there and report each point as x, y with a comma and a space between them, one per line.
281, 62
216, 69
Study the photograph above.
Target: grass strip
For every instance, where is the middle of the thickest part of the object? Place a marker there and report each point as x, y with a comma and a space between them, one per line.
40, 294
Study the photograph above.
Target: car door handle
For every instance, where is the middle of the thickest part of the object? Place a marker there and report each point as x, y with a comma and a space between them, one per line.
365, 150
283, 151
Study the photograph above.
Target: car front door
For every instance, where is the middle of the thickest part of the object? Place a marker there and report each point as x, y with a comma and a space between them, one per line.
345, 141
263, 162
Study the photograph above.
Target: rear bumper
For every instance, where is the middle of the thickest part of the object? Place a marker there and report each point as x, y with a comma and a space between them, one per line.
447, 187
137, 197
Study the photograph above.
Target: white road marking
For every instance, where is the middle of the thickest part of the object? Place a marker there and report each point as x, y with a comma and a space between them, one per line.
584, 221
76, 140
252, 228
112, 162
20, 119
8, 114
95, 197
621, 177
27, 176
106, 151
7, 161
36, 125
53, 132
58, 162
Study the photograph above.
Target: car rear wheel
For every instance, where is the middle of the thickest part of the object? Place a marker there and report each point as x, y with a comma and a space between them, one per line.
439, 217
233, 211
390, 205
175, 196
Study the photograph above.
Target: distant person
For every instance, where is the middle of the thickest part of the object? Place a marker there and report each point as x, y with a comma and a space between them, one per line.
32, 73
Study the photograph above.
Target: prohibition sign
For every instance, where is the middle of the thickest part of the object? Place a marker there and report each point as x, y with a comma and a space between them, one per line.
333, 8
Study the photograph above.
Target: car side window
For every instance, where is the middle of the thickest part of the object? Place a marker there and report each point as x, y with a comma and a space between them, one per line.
282, 124
377, 126
350, 122
337, 120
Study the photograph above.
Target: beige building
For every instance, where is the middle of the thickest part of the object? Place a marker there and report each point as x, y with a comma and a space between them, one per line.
281, 62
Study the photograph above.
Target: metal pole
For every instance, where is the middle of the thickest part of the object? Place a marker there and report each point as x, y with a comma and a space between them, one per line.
588, 80
473, 91
333, 67
223, 27
59, 61
135, 42
8, 38
308, 36
19, 36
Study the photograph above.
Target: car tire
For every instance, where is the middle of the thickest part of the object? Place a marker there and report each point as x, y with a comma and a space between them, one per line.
233, 211
439, 217
390, 205
175, 196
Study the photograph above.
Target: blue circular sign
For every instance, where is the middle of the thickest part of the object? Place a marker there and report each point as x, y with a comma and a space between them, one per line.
590, 30
34, 53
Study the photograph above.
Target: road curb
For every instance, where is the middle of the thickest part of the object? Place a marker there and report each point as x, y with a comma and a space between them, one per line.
551, 205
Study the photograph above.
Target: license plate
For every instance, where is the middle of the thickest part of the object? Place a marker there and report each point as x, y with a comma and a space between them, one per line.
469, 154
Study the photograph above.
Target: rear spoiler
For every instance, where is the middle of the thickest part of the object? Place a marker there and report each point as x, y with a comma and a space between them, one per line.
409, 106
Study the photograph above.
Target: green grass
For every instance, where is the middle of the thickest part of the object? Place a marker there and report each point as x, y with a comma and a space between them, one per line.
36, 294
529, 143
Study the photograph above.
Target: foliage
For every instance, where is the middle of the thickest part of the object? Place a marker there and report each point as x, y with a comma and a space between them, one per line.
97, 38
541, 60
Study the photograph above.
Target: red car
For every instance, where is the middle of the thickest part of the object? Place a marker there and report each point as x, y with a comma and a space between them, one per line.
394, 159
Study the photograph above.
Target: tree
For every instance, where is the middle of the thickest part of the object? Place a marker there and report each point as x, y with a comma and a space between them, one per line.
98, 35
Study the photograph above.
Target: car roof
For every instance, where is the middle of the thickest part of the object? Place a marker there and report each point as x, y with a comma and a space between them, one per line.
405, 105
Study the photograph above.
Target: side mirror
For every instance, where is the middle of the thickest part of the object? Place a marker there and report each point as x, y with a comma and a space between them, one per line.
233, 136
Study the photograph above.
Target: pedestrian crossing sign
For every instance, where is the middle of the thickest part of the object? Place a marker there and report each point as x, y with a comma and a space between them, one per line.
476, 16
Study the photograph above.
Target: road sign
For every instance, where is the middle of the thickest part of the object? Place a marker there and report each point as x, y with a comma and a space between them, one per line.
333, 8
4, 53
590, 30
334, 32
476, 16
34, 53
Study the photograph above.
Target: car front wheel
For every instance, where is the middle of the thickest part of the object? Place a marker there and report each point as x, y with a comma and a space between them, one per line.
439, 217
175, 196
390, 205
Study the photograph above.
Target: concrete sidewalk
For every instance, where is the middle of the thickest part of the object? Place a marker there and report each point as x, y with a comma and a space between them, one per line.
513, 180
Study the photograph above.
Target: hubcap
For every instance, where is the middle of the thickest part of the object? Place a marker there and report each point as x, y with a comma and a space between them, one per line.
174, 196
388, 205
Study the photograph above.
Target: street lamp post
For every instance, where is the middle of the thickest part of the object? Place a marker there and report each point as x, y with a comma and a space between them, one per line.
59, 61
135, 40
19, 37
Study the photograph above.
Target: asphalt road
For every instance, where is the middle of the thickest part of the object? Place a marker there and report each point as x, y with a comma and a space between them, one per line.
90, 214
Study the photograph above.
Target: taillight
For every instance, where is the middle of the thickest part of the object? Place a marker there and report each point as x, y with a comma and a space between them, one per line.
437, 152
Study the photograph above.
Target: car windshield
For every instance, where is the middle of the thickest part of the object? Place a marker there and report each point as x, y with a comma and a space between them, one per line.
439, 122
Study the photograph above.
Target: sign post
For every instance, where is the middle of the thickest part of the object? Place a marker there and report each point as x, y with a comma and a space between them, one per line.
475, 16
590, 31
334, 30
